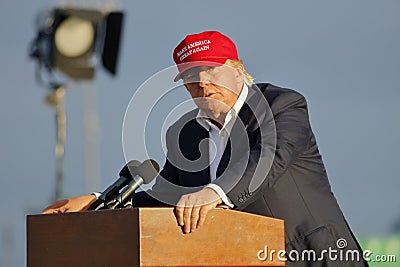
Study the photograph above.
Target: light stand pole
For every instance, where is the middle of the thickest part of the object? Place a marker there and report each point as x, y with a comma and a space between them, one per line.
56, 99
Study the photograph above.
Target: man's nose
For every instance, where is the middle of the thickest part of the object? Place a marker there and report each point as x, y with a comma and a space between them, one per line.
204, 79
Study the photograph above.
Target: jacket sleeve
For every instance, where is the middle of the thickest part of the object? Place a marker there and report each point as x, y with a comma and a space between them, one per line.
158, 196
261, 169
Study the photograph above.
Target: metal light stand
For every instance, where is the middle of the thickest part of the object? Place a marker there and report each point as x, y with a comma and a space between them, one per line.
56, 99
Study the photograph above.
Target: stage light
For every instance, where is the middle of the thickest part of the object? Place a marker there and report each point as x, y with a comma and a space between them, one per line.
74, 37
72, 40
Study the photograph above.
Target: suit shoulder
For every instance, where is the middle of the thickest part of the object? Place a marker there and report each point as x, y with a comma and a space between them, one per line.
272, 91
280, 98
186, 120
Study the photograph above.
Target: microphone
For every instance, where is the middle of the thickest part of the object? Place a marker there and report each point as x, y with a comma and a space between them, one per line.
125, 177
145, 173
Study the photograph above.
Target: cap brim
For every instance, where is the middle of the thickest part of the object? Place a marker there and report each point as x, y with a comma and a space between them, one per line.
188, 65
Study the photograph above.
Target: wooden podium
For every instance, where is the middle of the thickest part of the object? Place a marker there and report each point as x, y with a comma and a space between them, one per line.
152, 237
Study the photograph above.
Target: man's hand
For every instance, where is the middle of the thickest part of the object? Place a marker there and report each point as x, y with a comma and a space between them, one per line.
192, 209
70, 204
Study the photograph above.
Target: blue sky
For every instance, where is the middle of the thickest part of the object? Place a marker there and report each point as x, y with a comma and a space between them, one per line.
342, 55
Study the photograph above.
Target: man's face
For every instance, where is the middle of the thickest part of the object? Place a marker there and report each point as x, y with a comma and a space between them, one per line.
214, 89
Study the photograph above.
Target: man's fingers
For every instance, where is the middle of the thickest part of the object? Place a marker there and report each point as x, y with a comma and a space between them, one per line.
74, 204
192, 209
179, 211
63, 209
203, 214
48, 211
184, 213
55, 207
187, 213
194, 218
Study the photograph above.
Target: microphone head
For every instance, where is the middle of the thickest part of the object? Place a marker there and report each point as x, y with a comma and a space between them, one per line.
148, 170
129, 170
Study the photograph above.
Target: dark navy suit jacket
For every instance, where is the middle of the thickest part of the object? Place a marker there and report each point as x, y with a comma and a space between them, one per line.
294, 186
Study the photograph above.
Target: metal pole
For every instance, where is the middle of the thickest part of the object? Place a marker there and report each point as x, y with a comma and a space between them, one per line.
56, 99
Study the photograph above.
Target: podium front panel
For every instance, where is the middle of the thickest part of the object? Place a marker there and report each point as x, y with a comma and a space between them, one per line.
151, 237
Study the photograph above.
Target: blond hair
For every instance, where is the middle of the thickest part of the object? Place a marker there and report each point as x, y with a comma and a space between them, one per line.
248, 79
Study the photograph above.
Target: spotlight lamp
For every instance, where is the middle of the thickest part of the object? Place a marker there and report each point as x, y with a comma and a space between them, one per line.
72, 41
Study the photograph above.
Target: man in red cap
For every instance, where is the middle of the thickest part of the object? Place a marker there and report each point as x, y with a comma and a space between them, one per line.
247, 146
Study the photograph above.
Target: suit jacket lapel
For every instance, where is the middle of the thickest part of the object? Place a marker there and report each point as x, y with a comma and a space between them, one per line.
224, 159
245, 116
194, 145
198, 135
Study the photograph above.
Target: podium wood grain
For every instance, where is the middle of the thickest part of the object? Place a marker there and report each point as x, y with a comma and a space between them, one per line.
150, 237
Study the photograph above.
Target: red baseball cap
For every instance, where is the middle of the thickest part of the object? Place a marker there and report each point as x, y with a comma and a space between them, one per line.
210, 48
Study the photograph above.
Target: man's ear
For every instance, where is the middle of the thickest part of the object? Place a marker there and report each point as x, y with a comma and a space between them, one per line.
239, 74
